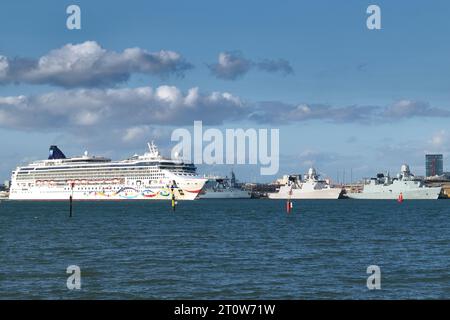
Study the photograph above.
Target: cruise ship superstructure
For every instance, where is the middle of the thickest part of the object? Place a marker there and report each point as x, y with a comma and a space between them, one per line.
149, 176
405, 185
293, 187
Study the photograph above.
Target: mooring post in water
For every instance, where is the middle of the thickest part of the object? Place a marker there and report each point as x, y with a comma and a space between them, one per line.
70, 209
71, 199
174, 203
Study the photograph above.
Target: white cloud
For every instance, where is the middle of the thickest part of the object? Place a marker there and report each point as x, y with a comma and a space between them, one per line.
117, 108
440, 138
86, 118
275, 111
14, 100
88, 64
4, 66
136, 133
169, 106
411, 108
168, 94
232, 65
191, 97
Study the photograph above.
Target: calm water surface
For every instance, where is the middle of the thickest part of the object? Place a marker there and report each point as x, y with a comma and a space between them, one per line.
225, 249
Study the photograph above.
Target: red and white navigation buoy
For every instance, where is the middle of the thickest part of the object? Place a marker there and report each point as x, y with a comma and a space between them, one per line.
289, 206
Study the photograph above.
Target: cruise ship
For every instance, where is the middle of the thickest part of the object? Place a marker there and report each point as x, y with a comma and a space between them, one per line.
223, 188
405, 186
293, 187
141, 177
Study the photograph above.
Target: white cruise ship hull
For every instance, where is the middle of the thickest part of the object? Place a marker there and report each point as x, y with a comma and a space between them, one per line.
419, 194
331, 193
122, 193
234, 194
145, 177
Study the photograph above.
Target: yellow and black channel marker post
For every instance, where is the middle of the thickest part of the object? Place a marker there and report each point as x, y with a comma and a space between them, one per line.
173, 199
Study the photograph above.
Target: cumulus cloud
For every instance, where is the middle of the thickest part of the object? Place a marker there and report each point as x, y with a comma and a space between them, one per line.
439, 140
89, 65
279, 112
411, 108
135, 135
126, 107
314, 158
4, 66
135, 108
233, 65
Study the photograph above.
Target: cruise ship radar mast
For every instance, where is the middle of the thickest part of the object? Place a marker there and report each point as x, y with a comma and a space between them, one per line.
153, 150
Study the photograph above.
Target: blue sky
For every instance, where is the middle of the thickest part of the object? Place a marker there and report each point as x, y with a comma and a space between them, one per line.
375, 98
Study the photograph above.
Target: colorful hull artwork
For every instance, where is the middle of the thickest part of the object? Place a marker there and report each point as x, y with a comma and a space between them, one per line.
132, 193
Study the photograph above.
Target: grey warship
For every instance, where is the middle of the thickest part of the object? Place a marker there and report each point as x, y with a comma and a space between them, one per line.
404, 186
